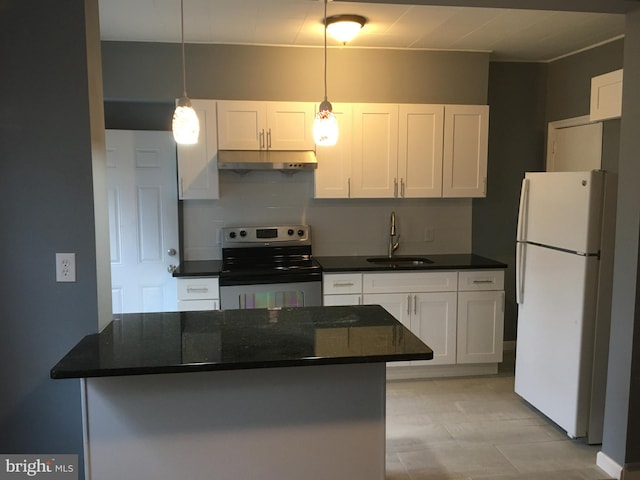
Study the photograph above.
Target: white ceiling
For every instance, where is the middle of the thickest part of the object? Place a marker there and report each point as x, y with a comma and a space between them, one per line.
510, 35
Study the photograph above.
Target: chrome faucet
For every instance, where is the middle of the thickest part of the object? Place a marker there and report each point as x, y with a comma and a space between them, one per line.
394, 238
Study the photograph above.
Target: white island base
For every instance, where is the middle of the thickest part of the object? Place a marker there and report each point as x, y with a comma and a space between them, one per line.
290, 423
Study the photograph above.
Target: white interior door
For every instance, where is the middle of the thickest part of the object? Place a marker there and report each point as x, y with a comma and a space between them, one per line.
574, 148
143, 220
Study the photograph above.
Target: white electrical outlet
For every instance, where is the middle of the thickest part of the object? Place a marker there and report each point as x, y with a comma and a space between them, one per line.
65, 267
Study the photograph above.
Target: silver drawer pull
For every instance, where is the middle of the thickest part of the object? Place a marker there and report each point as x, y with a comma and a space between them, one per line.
482, 281
197, 290
343, 284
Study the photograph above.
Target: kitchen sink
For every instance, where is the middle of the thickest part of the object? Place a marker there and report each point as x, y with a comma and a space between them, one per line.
397, 261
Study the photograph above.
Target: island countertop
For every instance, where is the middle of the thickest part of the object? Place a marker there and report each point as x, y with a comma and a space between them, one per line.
176, 342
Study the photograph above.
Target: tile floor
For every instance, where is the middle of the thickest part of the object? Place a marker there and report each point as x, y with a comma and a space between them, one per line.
477, 428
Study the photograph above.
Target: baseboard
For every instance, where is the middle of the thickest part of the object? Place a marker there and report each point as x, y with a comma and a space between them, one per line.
416, 372
609, 466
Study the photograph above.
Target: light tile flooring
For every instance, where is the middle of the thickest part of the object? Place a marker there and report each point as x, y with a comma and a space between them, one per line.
477, 428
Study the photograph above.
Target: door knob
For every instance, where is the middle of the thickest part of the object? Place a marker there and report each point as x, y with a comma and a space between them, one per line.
172, 252
172, 268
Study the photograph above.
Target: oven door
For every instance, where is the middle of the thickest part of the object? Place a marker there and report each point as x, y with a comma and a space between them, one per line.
295, 294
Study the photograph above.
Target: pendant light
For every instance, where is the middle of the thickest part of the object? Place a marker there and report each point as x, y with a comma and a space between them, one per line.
185, 124
325, 125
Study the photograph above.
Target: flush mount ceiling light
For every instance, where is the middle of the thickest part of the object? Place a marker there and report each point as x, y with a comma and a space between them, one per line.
344, 28
185, 124
325, 125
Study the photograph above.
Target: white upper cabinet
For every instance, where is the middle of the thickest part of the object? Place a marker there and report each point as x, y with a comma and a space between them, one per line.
374, 171
197, 164
406, 151
420, 150
466, 133
606, 96
254, 125
333, 175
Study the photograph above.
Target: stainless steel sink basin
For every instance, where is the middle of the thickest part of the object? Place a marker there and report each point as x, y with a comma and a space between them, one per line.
400, 261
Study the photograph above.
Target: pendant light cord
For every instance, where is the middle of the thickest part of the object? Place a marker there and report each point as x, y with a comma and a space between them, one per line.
325, 50
184, 68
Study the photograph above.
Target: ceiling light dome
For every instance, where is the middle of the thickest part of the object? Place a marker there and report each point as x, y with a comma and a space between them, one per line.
344, 28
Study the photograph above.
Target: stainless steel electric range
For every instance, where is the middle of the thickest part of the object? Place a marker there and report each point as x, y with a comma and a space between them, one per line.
269, 266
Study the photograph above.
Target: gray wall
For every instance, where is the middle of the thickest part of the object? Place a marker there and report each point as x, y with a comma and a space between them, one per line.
46, 207
296, 74
517, 95
622, 423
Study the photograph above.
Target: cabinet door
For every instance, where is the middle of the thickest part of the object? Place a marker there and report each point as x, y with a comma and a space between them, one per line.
333, 175
241, 125
375, 151
480, 326
466, 133
341, 300
290, 125
420, 143
198, 164
434, 317
397, 304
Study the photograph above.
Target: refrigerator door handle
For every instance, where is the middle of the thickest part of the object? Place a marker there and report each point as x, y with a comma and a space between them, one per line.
522, 211
520, 261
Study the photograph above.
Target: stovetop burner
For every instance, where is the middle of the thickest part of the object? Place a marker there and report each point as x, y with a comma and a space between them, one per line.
259, 255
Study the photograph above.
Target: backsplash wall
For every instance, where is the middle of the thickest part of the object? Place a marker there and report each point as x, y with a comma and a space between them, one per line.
339, 227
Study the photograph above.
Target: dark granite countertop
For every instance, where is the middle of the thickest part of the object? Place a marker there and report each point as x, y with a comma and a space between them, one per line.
176, 342
458, 261
351, 263
199, 268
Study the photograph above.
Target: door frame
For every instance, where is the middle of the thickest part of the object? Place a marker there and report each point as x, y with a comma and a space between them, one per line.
553, 127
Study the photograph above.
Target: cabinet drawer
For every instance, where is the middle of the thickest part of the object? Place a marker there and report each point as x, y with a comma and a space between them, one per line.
481, 280
410, 282
342, 283
198, 288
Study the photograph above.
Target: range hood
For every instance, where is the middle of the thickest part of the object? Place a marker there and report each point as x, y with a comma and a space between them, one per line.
285, 160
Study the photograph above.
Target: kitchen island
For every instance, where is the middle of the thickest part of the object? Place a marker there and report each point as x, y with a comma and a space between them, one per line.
250, 394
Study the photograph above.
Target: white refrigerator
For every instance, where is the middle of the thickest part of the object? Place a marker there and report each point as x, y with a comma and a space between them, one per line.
563, 317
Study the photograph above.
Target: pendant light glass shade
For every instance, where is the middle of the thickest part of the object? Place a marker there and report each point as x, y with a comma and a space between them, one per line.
185, 124
325, 125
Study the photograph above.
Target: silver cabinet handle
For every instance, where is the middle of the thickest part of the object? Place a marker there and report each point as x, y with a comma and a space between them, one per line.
402, 187
477, 282
261, 136
395, 187
343, 284
415, 305
349, 187
269, 138
197, 290
408, 304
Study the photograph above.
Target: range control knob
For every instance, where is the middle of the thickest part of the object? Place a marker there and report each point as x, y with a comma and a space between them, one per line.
232, 235
290, 232
301, 233
243, 233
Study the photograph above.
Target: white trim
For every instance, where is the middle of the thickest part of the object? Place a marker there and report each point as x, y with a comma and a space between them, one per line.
608, 465
552, 127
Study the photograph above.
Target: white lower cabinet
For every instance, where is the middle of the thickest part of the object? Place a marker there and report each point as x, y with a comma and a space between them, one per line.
425, 303
460, 315
341, 289
198, 293
480, 317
